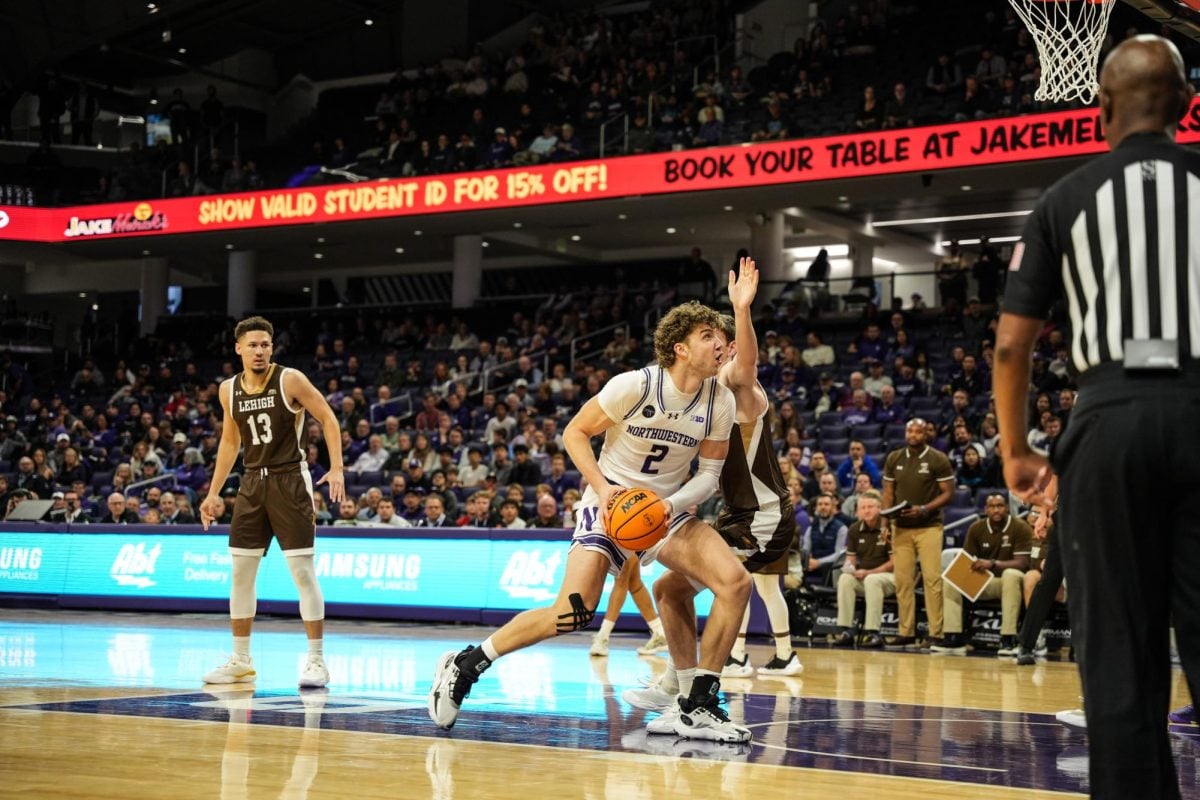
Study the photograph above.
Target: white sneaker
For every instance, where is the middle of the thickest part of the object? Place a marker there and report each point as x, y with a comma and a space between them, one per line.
315, 675
1074, 717
711, 723
657, 644
665, 722
650, 698
777, 666
599, 645
737, 669
450, 687
236, 670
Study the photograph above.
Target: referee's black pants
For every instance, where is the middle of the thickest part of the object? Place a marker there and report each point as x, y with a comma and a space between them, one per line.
1042, 598
1129, 467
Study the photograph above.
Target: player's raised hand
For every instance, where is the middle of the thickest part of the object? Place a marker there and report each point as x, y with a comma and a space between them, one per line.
743, 284
337, 485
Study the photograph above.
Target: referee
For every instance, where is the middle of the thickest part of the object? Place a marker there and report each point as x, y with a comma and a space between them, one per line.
1120, 237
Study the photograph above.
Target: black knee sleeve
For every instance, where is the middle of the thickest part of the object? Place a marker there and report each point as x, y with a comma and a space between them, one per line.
578, 618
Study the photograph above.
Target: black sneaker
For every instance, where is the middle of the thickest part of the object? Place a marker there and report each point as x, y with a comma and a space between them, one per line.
451, 685
949, 645
1008, 647
871, 641
901, 642
1026, 658
843, 639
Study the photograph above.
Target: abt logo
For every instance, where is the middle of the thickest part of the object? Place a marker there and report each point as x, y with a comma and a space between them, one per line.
529, 576
133, 565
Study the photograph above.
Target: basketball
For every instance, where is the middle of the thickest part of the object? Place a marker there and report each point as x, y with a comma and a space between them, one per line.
637, 519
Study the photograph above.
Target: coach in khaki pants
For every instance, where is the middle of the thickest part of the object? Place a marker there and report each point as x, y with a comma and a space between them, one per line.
922, 477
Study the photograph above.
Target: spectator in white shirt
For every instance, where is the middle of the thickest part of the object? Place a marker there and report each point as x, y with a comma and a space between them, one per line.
817, 353
875, 380
474, 473
510, 516
387, 517
373, 458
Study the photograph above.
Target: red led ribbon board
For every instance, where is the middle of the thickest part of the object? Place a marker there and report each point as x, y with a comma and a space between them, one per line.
970, 144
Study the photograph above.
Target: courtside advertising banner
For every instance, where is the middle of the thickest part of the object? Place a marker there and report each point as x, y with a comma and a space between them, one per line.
970, 144
478, 574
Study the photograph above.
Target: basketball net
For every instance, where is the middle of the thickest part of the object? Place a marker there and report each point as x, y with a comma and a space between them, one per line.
1069, 35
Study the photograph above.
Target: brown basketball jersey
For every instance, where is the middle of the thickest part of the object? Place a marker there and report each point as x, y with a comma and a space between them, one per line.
270, 428
752, 484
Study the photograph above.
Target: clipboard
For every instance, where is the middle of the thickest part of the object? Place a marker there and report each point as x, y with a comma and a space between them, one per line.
958, 573
894, 510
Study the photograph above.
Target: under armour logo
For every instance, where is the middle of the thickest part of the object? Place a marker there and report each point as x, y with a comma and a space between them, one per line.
672, 415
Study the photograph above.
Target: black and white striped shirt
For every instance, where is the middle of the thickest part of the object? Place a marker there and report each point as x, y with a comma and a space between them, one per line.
1120, 237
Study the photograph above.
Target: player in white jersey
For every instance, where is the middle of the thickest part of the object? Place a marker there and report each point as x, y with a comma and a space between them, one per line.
757, 523
655, 421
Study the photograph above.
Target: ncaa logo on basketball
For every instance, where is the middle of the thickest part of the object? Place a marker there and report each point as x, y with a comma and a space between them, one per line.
134, 565
632, 501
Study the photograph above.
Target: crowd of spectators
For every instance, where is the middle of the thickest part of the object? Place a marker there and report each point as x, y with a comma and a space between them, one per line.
668, 69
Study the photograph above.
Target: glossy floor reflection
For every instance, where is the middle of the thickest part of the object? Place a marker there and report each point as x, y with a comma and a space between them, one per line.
101, 705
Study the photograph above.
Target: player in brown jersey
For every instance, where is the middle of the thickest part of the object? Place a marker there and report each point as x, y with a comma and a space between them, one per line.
264, 409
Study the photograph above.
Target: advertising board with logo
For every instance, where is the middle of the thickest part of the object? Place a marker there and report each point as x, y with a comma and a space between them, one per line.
444, 573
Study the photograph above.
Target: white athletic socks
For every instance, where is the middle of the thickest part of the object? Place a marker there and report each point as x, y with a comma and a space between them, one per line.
606, 628
489, 649
656, 627
316, 647
783, 646
686, 676
241, 647
739, 647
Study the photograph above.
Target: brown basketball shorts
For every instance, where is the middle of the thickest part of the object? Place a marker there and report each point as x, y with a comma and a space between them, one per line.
749, 533
277, 504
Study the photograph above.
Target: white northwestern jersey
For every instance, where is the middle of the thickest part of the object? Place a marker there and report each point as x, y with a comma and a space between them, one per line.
658, 428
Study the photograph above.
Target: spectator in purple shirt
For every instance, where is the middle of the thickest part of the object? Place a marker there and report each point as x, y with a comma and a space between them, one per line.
859, 412
887, 411
499, 152
871, 344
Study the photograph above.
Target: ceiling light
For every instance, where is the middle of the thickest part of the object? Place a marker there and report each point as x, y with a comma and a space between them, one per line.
486, 244
183, 51
842, 198
576, 237
99, 146
417, 233
966, 188
516, 224
670, 230
95, 306
318, 256
83, 294
622, 216
399, 249
145, 252
729, 208
958, 218
320, 240
306, 289
153, 101
229, 247
991, 240
368, 22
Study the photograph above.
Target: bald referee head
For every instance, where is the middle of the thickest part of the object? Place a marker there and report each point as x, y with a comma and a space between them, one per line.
1143, 87
1119, 241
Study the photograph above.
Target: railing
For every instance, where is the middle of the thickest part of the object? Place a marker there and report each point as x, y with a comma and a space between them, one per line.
401, 413
716, 58
576, 357
622, 120
166, 476
486, 383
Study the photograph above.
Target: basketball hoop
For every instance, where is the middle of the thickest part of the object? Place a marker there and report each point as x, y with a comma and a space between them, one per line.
1069, 34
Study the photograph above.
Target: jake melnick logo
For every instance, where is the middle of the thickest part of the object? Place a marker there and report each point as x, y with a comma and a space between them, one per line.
143, 218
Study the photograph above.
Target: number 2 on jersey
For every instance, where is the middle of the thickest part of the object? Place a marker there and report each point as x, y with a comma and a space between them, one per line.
265, 421
657, 453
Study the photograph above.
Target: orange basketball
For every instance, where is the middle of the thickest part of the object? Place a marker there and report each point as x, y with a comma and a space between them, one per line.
637, 518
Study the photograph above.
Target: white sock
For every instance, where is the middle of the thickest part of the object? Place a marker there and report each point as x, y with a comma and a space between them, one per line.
739, 647
606, 627
686, 676
656, 627
783, 646
670, 680
241, 647
489, 649
316, 647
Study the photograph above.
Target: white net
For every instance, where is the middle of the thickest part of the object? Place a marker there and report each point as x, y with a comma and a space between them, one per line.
1069, 34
